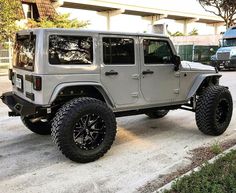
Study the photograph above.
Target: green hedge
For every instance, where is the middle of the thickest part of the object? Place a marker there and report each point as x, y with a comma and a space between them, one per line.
219, 177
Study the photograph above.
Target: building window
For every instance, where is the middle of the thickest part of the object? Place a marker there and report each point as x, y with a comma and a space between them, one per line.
70, 49
30, 10
157, 52
118, 51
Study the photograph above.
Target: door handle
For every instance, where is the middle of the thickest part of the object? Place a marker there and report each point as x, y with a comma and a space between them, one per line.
112, 72
135, 76
147, 72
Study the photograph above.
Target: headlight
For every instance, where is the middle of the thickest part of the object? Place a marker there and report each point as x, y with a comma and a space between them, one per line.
233, 53
213, 57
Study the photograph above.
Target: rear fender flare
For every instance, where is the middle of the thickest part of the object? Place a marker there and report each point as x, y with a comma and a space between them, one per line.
100, 88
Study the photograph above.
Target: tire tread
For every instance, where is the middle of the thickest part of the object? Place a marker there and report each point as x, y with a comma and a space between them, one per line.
65, 113
204, 108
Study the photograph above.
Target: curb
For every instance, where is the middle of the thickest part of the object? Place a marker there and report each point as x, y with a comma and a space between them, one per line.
3, 74
168, 186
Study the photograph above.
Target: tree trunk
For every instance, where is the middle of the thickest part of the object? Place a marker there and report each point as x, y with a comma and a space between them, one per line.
227, 23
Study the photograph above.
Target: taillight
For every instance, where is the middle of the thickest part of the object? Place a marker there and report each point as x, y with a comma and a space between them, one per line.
37, 83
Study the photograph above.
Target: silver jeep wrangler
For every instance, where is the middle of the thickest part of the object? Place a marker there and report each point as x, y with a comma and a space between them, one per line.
73, 84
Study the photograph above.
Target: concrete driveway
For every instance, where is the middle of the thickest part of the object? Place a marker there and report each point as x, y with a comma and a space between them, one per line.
144, 150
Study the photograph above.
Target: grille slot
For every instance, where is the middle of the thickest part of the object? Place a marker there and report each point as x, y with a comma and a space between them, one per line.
223, 56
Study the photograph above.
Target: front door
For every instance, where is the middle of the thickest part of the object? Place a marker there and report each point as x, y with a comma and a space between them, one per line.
159, 81
119, 68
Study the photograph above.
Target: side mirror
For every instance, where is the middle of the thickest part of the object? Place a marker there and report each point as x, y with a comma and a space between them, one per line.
177, 62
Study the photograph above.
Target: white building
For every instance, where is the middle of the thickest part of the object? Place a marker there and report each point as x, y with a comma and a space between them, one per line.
142, 15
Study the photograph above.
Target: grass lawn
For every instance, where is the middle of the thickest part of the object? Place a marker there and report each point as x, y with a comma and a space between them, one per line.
219, 177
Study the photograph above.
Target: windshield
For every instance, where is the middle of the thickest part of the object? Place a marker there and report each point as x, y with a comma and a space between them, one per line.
229, 42
24, 52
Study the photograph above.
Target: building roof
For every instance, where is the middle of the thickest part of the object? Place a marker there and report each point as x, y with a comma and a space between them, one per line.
44, 7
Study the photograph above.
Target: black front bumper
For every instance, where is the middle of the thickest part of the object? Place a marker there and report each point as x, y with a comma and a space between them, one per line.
224, 64
230, 64
21, 107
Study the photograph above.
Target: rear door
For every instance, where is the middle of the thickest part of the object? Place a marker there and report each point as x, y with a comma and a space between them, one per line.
119, 68
159, 82
24, 55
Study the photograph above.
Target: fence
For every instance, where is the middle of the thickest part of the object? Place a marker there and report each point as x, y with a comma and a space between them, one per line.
5, 56
196, 53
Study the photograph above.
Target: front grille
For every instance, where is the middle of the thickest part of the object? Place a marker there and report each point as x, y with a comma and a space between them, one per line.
223, 56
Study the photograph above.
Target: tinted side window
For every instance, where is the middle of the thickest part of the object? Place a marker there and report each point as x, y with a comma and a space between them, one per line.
157, 52
70, 49
118, 51
24, 52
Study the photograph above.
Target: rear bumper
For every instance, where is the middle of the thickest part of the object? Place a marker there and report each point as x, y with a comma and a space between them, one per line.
21, 107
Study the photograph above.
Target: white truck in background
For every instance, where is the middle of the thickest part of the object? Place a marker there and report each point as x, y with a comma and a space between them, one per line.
225, 57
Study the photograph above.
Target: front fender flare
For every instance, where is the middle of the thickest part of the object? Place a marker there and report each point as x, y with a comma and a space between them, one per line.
198, 81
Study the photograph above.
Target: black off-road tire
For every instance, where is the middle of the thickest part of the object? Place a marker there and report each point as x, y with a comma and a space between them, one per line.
66, 122
39, 127
214, 110
157, 114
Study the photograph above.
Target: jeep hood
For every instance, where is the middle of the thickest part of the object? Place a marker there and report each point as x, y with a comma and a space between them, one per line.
196, 66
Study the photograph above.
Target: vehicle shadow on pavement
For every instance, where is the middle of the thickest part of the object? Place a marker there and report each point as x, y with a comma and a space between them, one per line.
142, 127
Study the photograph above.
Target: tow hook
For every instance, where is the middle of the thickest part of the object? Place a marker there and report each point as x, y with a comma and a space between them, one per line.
2, 97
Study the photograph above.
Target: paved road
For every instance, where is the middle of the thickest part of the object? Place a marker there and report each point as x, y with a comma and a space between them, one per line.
143, 150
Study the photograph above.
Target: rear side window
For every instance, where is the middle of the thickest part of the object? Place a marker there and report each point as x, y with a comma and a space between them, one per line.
157, 52
118, 51
70, 49
24, 51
